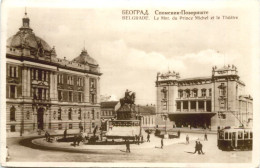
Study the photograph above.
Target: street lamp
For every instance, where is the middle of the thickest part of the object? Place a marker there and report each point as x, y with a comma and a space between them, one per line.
165, 117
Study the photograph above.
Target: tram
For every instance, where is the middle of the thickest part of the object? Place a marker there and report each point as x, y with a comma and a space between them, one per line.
235, 139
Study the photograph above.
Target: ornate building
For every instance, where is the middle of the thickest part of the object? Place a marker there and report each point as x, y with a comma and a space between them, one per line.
46, 92
208, 102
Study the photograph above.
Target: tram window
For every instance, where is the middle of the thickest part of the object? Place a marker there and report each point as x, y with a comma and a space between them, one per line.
240, 135
221, 135
251, 134
226, 135
230, 135
246, 135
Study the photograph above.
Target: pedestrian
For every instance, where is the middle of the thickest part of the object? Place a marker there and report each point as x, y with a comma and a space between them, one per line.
65, 134
187, 139
142, 138
179, 133
46, 135
200, 148
148, 137
162, 143
128, 146
196, 147
138, 140
205, 137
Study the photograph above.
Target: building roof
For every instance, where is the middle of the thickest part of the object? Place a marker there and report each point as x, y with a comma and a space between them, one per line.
109, 104
26, 38
145, 110
196, 78
84, 58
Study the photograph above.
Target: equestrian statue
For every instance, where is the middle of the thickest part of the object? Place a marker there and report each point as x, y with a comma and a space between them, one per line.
129, 98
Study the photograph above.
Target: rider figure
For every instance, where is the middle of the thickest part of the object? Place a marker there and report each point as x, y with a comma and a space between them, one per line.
127, 94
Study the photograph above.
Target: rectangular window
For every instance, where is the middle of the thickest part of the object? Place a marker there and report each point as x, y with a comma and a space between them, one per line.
12, 91
70, 126
59, 114
203, 92
226, 135
97, 115
195, 93
40, 72
79, 97
210, 92
60, 126
60, 95
93, 125
93, 114
13, 71
12, 128
70, 96
240, 135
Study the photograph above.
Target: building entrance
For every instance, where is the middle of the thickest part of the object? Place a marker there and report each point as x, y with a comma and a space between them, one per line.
40, 118
192, 120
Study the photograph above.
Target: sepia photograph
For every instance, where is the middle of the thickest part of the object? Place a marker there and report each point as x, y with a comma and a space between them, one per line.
130, 84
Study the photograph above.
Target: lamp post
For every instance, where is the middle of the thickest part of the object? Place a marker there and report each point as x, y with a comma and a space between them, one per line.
165, 117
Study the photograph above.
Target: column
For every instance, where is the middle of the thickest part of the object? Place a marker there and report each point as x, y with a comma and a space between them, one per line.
188, 106
205, 105
55, 85
24, 81
29, 82
197, 105
98, 90
51, 86
181, 106
86, 89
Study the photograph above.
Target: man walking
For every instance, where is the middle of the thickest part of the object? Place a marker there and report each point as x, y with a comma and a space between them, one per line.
205, 137
148, 137
162, 143
187, 139
200, 148
197, 148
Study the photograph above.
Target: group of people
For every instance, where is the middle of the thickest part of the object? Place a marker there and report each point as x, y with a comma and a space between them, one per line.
198, 146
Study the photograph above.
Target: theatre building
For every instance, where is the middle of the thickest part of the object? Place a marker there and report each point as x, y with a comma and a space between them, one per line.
46, 92
212, 102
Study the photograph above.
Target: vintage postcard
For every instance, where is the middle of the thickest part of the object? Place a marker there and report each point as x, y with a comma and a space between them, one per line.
128, 83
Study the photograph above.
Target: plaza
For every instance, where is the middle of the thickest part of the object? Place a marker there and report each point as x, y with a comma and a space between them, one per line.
174, 151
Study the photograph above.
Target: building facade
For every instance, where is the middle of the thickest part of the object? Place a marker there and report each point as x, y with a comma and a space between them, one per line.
46, 92
209, 102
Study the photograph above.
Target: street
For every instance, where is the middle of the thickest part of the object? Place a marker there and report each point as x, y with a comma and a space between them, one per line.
178, 152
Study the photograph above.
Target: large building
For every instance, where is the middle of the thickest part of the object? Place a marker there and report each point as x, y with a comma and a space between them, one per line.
46, 92
212, 102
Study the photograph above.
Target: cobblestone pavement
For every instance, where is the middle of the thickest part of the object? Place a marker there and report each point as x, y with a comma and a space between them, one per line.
174, 151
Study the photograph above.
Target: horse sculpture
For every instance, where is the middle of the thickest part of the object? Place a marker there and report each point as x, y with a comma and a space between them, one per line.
129, 100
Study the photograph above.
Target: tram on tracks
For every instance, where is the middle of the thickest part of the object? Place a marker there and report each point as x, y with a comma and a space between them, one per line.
235, 139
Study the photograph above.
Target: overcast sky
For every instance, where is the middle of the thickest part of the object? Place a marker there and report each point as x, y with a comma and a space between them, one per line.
130, 53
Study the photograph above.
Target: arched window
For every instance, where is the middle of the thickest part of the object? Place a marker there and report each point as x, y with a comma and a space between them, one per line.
70, 114
12, 113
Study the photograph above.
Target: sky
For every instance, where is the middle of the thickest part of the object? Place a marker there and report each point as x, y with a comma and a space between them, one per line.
130, 53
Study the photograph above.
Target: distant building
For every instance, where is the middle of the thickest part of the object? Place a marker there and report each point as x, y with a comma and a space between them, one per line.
208, 102
46, 92
148, 116
108, 109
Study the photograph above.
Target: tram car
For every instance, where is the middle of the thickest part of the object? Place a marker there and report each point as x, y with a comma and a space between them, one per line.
235, 139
